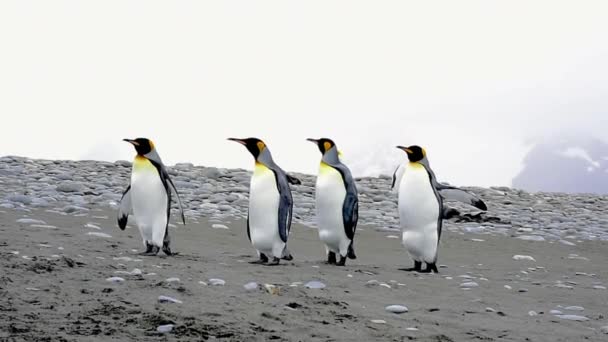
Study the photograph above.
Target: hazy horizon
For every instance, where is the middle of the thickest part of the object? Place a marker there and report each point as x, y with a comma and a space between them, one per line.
477, 84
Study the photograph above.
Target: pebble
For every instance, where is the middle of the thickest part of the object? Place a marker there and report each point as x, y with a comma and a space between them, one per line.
115, 279
573, 318
219, 226
165, 328
272, 289
251, 286
378, 321
574, 308
604, 329
167, 299
313, 284
532, 313
103, 235
555, 312
217, 282
397, 309
31, 221
523, 257
469, 284
172, 280
411, 329
599, 287
531, 238
489, 309
522, 290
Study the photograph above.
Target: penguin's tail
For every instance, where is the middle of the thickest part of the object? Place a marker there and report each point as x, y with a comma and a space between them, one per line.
351, 251
286, 254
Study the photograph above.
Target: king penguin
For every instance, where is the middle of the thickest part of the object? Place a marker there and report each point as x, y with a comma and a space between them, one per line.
337, 204
148, 196
420, 211
270, 205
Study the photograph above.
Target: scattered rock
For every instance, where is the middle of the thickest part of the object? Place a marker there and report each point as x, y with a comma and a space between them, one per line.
397, 309
315, 285
217, 282
251, 286
115, 279
166, 328
573, 318
523, 257
166, 299
469, 284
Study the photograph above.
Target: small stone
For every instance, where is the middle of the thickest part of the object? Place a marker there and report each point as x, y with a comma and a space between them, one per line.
103, 235
574, 308
165, 328
411, 329
573, 317
489, 309
172, 280
315, 285
531, 238
115, 279
92, 226
166, 299
522, 290
469, 284
30, 221
272, 289
217, 282
219, 226
599, 287
532, 313
378, 321
523, 257
555, 312
604, 329
397, 309
69, 186
251, 286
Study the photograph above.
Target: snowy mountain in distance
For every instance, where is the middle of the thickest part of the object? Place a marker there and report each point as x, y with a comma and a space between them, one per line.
567, 165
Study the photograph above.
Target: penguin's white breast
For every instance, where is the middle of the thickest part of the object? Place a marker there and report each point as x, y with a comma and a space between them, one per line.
148, 194
263, 206
418, 206
330, 193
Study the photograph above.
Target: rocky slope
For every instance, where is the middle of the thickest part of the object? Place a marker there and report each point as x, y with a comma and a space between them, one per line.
75, 187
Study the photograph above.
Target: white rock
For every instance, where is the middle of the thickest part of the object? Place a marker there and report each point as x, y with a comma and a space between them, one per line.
251, 286
555, 312
219, 226
166, 299
313, 284
172, 280
573, 317
103, 235
599, 287
604, 329
115, 279
574, 308
469, 284
523, 257
411, 329
217, 282
489, 309
531, 238
30, 221
92, 226
532, 313
165, 328
397, 309
378, 321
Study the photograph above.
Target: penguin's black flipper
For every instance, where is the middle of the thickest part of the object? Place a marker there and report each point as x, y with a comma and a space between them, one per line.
293, 180
124, 208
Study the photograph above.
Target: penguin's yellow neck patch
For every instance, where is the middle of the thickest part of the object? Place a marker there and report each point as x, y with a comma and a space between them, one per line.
260, 168
325, 168
142, 163
416, 165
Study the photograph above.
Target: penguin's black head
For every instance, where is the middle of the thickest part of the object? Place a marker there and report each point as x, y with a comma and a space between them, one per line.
143, 146
323, 144
414, 153
254, 145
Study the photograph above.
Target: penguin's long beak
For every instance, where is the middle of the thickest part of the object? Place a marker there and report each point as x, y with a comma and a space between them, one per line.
315, 141
240, 141
131, 141
403, 148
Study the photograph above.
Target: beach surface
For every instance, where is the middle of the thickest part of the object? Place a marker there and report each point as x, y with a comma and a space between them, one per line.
79, 278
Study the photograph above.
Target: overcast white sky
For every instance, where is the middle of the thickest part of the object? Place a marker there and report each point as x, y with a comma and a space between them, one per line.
472, 81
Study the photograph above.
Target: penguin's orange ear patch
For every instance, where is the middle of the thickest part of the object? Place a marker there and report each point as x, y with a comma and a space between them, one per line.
326, 146
151, 145
423, 152
261, 145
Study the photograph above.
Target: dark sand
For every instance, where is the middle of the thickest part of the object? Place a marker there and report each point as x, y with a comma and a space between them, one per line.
69, 298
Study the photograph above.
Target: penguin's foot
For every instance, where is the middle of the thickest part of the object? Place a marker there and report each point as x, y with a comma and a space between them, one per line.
275, 261
263, 259
342, 261
331, 258
430, 267
167, 250
151, 251
417, 267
